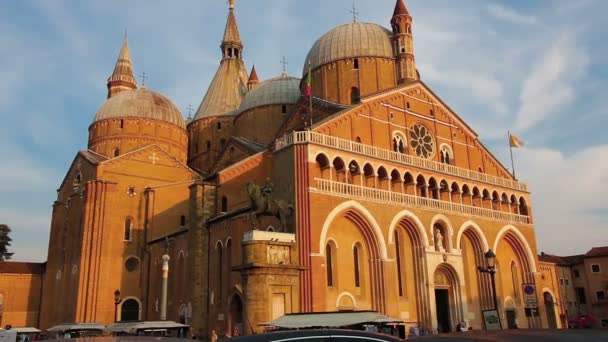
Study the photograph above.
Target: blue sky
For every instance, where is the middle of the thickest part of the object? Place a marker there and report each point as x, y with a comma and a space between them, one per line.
537, 68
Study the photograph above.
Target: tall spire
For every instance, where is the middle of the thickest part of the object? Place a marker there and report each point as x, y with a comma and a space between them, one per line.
122, 78
231, 43
401, 23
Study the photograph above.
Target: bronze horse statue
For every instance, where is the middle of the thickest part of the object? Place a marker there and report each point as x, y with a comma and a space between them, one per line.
262, 204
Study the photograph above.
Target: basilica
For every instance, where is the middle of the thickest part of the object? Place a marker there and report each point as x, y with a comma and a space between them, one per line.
354, 187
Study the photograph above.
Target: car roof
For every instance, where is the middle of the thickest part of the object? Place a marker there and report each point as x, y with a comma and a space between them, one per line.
306, 334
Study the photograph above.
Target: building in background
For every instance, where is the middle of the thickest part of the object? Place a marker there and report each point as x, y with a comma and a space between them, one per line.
583, 284
354, 187
20, 293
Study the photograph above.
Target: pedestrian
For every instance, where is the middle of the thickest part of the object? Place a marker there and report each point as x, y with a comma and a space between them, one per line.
213, 336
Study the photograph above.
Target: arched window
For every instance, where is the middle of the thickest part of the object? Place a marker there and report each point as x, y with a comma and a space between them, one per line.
208, 143
356, 63
398, 254
515, 278
358, 140
116, 152
224, 204
219, 272
229, 259
330, 265
523, 208
284, 109
182, 220
219, 126
446, 154
129, 310
356, 263
236, 53
122, 123
127, 230
355, 95
399, 142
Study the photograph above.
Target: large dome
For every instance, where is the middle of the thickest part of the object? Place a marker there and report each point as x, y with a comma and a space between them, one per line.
140, 103
278, 90
348, 41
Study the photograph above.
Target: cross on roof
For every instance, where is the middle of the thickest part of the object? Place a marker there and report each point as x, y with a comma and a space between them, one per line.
153, 158
284, 62
143, 78
354, 12
190, 109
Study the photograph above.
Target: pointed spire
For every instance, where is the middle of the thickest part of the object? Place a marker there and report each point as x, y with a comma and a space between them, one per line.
231, 43
253, 79
122, 78
400, 9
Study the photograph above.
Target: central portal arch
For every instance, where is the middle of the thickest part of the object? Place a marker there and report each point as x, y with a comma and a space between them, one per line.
447, 298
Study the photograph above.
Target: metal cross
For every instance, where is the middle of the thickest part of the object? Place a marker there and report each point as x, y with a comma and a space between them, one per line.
284, 62
190, 109
354, 12
143, 78
153, 158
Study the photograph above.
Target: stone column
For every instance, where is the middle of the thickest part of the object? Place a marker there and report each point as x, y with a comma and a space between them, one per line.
163, 301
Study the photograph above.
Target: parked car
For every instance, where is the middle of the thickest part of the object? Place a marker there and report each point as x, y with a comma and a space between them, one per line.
580, 322
326, 335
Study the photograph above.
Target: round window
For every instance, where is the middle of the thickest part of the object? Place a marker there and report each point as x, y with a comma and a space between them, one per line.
132, 264
422, 141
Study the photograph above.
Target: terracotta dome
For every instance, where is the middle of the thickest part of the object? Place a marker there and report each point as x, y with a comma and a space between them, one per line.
140, 103
348, 41
278, 90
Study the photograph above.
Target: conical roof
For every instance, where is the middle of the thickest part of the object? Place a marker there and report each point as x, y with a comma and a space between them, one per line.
122, 76
231, 34
253, 76
229, 84
400, 9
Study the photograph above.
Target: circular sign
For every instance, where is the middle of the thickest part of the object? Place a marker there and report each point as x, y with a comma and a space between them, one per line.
529, 289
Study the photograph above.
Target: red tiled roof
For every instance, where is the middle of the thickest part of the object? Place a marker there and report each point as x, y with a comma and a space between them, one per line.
13, 267
597, 252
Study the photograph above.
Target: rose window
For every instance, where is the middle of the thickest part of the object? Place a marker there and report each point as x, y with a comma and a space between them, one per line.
422, 141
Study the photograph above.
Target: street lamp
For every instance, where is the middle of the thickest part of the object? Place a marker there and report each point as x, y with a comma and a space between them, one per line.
117, 301
491, 269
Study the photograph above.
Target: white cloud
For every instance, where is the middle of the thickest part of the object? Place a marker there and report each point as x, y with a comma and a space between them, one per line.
551, 85
566, 191
509, 15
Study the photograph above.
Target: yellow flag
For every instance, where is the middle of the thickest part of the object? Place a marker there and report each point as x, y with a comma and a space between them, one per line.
515, 141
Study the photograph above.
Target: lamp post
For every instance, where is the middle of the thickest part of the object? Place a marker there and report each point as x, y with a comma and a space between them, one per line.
117, 301
491, 269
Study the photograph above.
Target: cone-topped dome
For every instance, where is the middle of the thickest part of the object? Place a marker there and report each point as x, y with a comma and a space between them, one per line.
122, 78
229, 84
400, 9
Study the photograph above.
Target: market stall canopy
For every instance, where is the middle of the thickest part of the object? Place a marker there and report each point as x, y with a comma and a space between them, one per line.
134, 327
330, 320
77, 326
26, 330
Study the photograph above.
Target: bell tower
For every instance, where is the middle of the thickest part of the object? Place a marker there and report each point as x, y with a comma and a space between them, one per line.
403, 42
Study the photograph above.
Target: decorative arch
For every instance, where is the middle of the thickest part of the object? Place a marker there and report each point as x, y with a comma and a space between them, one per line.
346, 294
521, 240
442, 220
130, 309
374, 241
360, 209
408, 215
477, 229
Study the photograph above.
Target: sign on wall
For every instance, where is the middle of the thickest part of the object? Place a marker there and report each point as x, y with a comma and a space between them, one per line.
529, 291
491, 320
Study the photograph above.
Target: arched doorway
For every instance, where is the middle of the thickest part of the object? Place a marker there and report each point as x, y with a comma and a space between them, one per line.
550, 307
129, 310
446, 298
236, 314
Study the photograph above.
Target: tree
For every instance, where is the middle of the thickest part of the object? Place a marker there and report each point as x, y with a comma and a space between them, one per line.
5, 242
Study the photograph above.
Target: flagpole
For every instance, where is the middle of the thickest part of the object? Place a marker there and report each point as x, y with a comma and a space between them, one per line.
511, 150
310, 97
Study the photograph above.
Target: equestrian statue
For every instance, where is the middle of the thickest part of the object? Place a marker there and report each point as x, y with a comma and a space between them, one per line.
263, 204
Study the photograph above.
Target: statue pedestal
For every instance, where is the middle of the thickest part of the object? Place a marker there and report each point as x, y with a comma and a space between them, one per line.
270, 274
